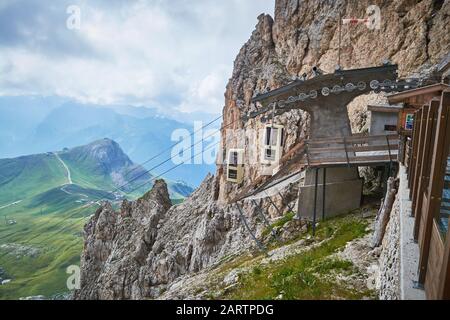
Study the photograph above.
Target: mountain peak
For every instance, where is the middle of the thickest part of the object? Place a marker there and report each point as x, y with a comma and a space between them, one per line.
106, 154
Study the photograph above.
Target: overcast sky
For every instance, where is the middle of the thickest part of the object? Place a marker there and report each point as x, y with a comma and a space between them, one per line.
161, 53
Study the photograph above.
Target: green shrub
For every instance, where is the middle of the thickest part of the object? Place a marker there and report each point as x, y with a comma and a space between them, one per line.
281, 222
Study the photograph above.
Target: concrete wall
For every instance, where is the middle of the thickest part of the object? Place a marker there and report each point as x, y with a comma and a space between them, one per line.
343, 191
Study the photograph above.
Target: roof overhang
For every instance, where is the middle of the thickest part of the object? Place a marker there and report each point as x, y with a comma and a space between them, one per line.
385, 108
410, 96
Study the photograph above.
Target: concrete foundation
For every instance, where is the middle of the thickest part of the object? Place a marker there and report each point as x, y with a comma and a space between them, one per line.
343, 192
409, 250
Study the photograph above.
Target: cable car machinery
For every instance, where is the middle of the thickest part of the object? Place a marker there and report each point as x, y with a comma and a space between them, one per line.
321, 94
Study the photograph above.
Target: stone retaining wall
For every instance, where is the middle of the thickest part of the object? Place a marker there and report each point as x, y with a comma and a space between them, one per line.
390, 257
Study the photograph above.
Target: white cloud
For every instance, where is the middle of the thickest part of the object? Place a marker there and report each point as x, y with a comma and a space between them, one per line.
207, 94
137, 52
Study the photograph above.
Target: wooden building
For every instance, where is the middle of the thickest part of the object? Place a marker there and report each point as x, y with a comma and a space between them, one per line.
427, 156
412, 101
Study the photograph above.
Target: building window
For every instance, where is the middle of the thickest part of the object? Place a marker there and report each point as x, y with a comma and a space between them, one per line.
270, 154
235, 165
232, 174
234, 158
272, 143
271, 136
390, 127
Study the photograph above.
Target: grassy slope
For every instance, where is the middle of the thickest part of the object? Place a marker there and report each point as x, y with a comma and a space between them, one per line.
58, 238
309, 275
28, 176
82, 176
48, 219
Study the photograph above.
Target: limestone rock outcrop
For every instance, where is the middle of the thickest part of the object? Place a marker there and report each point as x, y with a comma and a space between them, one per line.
139, 251
117, 245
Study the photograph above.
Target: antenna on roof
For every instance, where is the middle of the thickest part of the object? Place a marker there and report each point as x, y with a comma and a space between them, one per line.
339, 44
317, 71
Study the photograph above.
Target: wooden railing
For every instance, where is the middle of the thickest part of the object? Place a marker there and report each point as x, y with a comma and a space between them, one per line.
351, 150
318, 152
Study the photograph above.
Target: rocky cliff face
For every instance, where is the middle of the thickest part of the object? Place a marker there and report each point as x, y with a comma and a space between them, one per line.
117, 245
303, 34
141, 250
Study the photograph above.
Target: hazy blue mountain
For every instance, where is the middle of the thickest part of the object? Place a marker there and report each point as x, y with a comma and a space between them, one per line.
30, 125
19, 116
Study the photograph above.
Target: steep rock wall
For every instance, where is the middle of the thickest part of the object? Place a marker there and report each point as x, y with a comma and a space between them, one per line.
390, 257
303, 33
138, 251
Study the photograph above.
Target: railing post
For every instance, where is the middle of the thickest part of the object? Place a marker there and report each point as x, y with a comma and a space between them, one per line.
315, 202
390, 156
307, 152
298, 201
346, 152
323, 191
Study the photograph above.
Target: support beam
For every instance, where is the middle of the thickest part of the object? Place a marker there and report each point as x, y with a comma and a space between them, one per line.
324, 184
418, 153
413, 156
244, 221
266, 222
298, 214
444, 290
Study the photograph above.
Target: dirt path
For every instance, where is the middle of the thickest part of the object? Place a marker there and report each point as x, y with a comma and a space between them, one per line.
69, 178
11, 204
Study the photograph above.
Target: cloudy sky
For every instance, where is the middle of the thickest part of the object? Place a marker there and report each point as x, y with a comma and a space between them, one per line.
162, 53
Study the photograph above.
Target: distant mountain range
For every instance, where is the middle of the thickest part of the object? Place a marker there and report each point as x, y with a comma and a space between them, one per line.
100, 167
31, 124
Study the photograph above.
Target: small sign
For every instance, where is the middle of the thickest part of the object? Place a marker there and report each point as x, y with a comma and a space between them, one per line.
409, 121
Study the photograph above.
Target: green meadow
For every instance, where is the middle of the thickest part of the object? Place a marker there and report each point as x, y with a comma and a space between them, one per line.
42, 218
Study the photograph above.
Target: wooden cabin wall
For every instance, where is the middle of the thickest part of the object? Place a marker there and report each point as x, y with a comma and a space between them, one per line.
434, 265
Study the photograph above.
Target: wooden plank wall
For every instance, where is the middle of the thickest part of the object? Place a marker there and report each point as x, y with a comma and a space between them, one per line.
435, 260
427, 165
